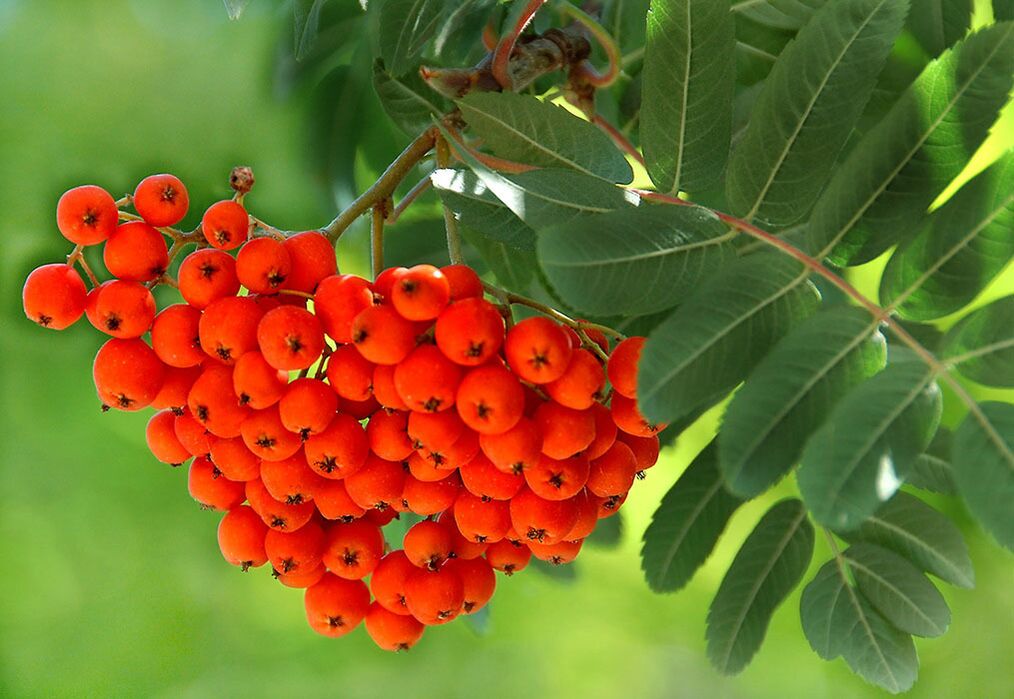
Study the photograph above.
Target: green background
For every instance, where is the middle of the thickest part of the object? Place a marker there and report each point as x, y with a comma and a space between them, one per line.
113, 584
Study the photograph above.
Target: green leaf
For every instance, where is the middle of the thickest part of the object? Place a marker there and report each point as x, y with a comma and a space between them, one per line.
838, 621
688, 79
478, 208
984, 467
913, 529
306, 16
967, 244
791, 392
624, 20
513, 268
687, 524
939, 24
767, 568
720, 332
405, 27
932, 470
608, 532
528, 130
783, 14
634, 261
235, 8
982, 344
862, 453
758, 47
900, 166
807, 108
898, 590
1003, 10
408, 102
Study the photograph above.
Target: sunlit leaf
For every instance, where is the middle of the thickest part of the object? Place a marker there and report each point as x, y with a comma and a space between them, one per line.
784, 14
982, 344
939, 24
984, 467
478, 208
932, 469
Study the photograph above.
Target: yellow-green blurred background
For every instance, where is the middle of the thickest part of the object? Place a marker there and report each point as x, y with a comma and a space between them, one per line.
113, 584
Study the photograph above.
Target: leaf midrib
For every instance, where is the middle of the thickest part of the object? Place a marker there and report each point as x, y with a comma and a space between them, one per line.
922, 545
682, 533
718, 240
893, 588
684, 98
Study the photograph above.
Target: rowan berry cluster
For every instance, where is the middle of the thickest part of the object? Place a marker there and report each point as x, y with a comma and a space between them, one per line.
318, 406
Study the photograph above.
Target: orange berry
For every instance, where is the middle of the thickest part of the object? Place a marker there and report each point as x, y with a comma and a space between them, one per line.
554, 479
538, 350
339, 299
277, 515
241, 536
470, 332
136, 252
214, 403
176, 387
359, 409
421, 293
294, 551
225, 225
301, 578
87, 215
613, 472
228, 328
313, 259
350, 374
482, 478
175, 335
464, 449
290, 338
388, 582
383, 336
508, 557
490, 399
332, 500
392, 631
434, 596
307, 407
427, 380
234, 460
479, 520
54, 296
428, 544
263, 265
121, 309
192, 435
560, 553
430, 497
160, 434
622, 366
378, 484
645, 449
434, 431
462, 548
335, 606
209, 487
538, 519
587, 516
340, 450
256, 383
424, 469
565, 431
605, 432
127, 374
207, 275
161, 200
478, 579
581, 384
353, 550
383, 387
463, 281
387, 433
383, 285
629, 419
289, 480
517, 449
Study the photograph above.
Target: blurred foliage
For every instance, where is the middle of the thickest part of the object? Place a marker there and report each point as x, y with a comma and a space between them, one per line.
115, 586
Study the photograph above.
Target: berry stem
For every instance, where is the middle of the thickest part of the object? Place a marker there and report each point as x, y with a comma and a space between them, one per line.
295, 292
269, 229
377, 238
125, 200
618, 138
450, 223
502, 54
509, 297
76, 256
420, 187
384, 186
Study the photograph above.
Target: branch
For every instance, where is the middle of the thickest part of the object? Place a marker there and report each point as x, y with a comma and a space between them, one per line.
450, 223
383, 187
587, 72
502, 54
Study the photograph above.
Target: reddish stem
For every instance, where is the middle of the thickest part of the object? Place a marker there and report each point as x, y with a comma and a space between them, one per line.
618, 138
502, 55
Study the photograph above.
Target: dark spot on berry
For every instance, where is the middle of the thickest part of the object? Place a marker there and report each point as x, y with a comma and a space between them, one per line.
222, 236
335, 621
245, 566
202, 413
224, 353
177, 411
294, 344
44, 320
123, 401
208, 270
474, 349
556, 480
243, 399
555, 560
113, 322
90, 217
215, 473
265, 442
287, 565
359, 336
518, 468
328, 464
482, 411
304, 434
536, 534
509, 569
296, 499
278, 522
432, 404
275, 278
486, 498
350, 558
168, 193
469, 606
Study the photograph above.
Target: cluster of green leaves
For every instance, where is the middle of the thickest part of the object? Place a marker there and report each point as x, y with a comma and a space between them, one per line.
835, 125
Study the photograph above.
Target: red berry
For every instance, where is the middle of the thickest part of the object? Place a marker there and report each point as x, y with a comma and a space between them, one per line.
352, 551
228, 328
340, 450
136, 252
470, 332
483, 521
565, 431
391, 631
490, 399
428, 544
209, 487
213, 401
160, 435
295, 551
334, 606
234, 460
378, 484
175, 336
121, 309
629, 419
339, 299
350, 374
581, 384
388, 582
545, 521
307, 407
176, 387
421, 293
258, 384
266, 436
263, 265
464, 282
241, 538
482, 478
161, 200
128, 374
560, 553
207, 275
622, 366
54, 296
517, 449
538, 350
478, 579
387, 433
554, 479
313, 259
333, 501
427, 380
434, 597
87, 215
225, 225
508, 557
290, 338
277, 515
383, 336
613, 472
